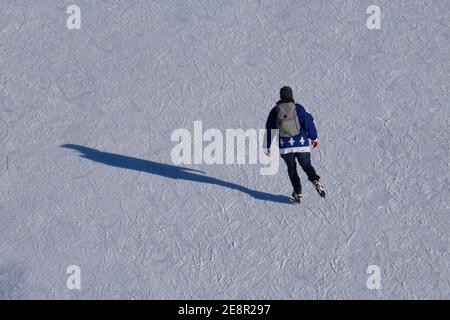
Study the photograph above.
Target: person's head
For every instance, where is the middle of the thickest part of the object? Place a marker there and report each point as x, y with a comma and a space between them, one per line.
286, 94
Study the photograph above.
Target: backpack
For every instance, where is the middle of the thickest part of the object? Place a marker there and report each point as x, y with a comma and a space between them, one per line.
287, 120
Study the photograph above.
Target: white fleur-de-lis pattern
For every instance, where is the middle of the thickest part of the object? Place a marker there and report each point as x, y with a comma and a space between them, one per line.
294, 144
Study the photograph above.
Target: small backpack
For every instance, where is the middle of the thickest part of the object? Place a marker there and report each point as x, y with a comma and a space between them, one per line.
287, 120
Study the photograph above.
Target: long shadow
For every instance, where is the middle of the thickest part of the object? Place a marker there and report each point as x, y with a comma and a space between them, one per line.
169, 171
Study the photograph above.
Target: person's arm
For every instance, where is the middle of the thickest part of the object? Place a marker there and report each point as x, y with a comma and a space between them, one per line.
307, 122
271, 123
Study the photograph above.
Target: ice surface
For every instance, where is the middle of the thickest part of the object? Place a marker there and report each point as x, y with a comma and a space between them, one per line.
116, 89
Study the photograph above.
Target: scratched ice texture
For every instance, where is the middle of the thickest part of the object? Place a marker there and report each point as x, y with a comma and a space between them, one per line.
86, 176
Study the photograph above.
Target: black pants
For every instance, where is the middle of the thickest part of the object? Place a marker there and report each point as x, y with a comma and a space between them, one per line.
304, 160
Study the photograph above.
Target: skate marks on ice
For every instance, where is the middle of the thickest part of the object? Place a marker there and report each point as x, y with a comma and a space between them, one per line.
11, 281
170, 171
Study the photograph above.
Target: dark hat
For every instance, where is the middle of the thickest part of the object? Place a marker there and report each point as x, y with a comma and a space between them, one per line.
286, 93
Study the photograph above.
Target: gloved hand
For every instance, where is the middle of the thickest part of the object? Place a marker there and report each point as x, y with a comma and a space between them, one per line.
315, 143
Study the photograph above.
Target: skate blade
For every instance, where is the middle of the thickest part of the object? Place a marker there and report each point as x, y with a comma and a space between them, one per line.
296, 201
321, 193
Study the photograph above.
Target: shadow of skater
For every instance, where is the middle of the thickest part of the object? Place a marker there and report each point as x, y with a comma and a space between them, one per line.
169, 171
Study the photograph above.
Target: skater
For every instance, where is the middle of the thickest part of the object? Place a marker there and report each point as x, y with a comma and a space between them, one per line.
296, 127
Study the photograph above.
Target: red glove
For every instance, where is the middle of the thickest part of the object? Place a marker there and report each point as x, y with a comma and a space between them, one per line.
315, 143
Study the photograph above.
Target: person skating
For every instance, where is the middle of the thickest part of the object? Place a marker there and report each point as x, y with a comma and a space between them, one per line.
296, 129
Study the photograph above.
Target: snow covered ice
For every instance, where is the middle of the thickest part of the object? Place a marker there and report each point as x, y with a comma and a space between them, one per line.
86, 178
